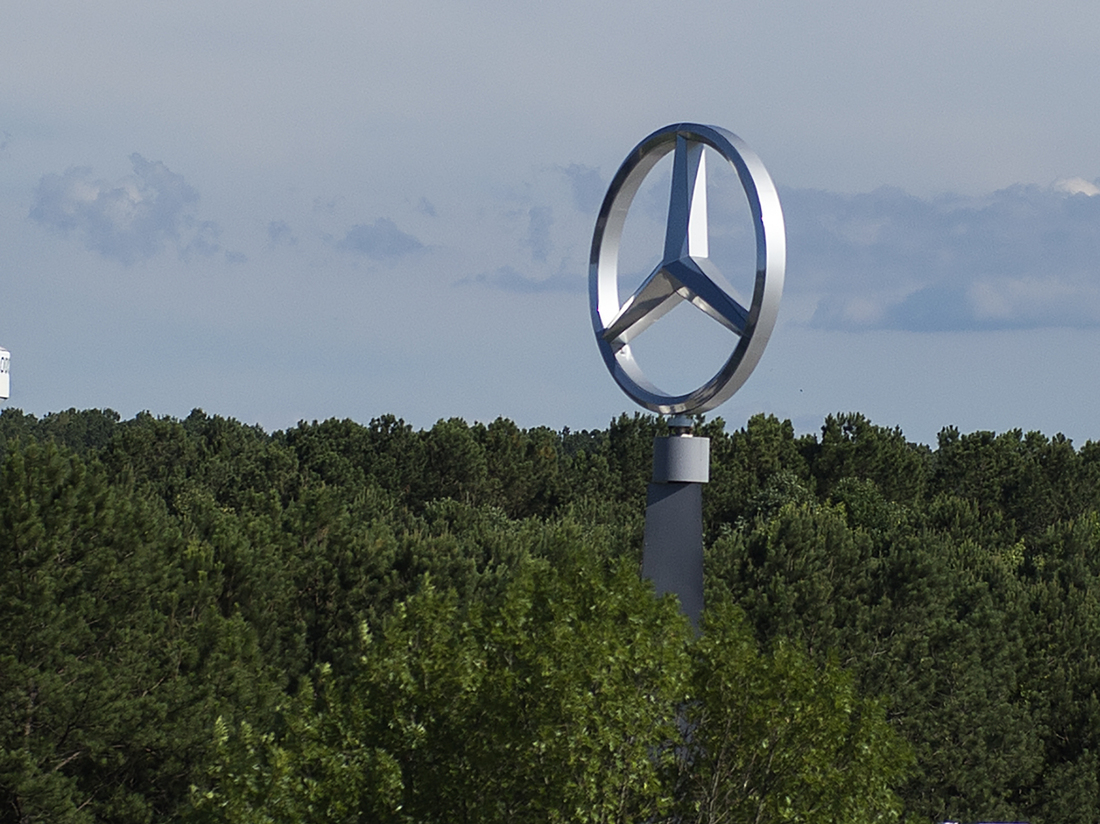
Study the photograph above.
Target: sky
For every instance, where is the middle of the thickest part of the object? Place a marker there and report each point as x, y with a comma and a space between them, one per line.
281, 211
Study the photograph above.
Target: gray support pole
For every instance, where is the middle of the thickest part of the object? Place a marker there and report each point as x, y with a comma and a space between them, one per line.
672, 555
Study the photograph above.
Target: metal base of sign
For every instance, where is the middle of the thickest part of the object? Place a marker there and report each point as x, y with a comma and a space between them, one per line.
672, 555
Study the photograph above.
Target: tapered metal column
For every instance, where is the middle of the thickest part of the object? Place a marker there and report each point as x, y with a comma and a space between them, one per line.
672, 556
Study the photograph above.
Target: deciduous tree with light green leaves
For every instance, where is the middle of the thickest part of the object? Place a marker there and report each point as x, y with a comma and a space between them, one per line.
775, 738
576, 696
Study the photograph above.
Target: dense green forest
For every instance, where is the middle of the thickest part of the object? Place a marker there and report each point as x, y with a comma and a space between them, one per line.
202, 621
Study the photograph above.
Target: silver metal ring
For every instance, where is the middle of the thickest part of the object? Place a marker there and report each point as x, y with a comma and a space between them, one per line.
685, 271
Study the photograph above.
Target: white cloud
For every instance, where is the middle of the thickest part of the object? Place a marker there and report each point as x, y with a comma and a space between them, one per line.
1076, 186
129, 219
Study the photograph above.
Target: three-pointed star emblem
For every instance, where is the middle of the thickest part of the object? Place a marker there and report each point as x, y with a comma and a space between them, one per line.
686, 272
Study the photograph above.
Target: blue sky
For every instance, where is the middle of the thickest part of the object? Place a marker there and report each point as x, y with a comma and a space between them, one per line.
280, 212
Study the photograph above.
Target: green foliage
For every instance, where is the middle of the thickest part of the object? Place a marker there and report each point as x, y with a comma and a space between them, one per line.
776, 738
545, 703
852, 447
575, 696
112, 660
382, 617
317, 768
753, 469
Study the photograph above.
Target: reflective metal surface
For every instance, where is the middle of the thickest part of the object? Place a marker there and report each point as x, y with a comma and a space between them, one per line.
685, 271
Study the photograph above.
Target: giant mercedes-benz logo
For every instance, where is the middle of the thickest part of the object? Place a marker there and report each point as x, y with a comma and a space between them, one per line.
685, 271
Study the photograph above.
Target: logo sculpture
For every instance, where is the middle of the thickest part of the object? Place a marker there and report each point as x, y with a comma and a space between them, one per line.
686, 271
672, 554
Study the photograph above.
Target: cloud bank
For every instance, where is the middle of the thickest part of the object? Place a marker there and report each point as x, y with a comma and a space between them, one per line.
1022, 257
130, 219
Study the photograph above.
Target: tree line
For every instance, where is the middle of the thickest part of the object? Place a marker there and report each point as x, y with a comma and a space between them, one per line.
342, 622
